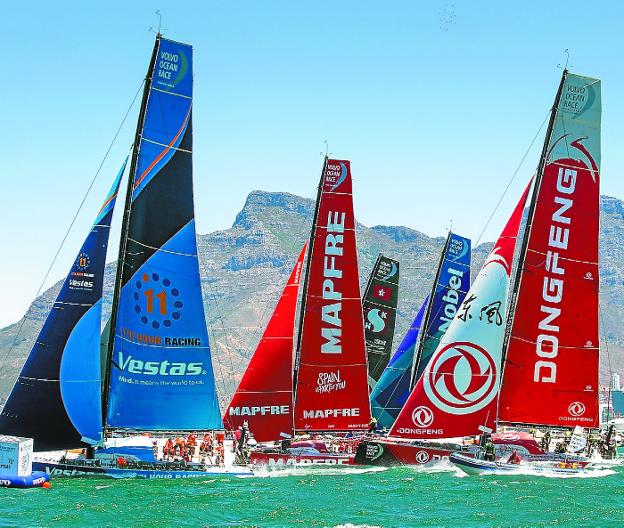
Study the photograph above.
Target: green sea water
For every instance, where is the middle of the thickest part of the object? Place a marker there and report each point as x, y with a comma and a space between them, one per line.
324, 497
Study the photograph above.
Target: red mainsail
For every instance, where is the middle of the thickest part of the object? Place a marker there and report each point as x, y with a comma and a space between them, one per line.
264, 395
332, 387
551, 371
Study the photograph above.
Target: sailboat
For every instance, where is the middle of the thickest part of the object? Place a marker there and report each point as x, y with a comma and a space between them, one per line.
155, 374
551, 350
330, 380
450, 285
379, 308
459, 394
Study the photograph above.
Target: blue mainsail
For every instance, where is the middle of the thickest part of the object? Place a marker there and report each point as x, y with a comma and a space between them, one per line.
160, 373
56, 399
393, 387
451, 284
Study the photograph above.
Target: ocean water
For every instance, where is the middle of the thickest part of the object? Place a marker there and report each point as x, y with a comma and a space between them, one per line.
349, 497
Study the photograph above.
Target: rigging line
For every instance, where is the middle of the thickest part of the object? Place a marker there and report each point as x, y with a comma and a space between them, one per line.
513, 176
227, 346
606, 344
97, 173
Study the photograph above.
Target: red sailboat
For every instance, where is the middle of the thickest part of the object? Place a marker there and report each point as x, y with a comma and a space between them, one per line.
329, 382
544, 367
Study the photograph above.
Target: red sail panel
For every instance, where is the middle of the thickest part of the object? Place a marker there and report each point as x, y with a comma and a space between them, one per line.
456, 393
551, 371
332, 386
264, 395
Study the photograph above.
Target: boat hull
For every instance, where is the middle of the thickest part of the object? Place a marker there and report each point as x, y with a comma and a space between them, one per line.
260, 458
35, 480
69, 469
474, 466
387, 453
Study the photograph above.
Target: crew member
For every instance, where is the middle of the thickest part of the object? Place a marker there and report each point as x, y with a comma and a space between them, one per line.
372, 425
514, 458
490, 451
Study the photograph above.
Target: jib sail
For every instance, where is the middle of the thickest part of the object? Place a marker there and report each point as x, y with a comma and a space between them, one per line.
56, 399
265, 393
332, 387
553, 351
379, 308
449, 289
160, 374
393, 388
457, 391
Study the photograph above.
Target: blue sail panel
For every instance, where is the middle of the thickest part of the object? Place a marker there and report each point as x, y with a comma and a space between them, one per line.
81, 383
40, 406
161, 375
453, 281
393, 387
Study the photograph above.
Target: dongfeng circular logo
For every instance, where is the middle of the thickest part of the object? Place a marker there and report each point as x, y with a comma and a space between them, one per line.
576, 409
422, 416
463, 378
509, 436
422, 457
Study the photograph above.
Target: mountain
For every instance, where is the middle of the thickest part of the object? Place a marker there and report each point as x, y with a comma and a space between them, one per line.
245, 267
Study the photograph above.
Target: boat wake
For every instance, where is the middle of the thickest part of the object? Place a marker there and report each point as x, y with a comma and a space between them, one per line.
551, 473
441, 466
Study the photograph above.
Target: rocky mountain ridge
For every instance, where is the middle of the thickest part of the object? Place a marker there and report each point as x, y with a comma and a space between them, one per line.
244, 269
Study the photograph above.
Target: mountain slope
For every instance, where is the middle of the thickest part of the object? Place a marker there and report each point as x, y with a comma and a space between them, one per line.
245, 267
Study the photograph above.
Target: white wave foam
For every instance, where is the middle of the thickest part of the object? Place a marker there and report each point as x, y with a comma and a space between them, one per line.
349, 525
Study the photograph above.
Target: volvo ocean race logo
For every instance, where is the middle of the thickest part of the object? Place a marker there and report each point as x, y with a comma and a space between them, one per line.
576, 409
462, 378
422, 417
422, 457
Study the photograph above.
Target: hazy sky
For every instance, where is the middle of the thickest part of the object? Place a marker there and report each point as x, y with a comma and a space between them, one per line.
435, 104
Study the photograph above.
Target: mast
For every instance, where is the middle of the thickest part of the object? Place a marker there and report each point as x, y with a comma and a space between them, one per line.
515, 279
124, 230
304, 290
423, 334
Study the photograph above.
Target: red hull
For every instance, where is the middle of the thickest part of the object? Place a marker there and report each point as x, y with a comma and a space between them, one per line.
388, 453
260, 458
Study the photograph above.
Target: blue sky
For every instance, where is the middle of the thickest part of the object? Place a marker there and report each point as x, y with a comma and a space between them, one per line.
434, 103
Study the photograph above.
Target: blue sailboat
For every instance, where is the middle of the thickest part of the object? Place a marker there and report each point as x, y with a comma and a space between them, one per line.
394, 385
452, 281
450, 285
154, 372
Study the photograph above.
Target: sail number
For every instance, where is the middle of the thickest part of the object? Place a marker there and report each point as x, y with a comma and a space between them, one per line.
162, 301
